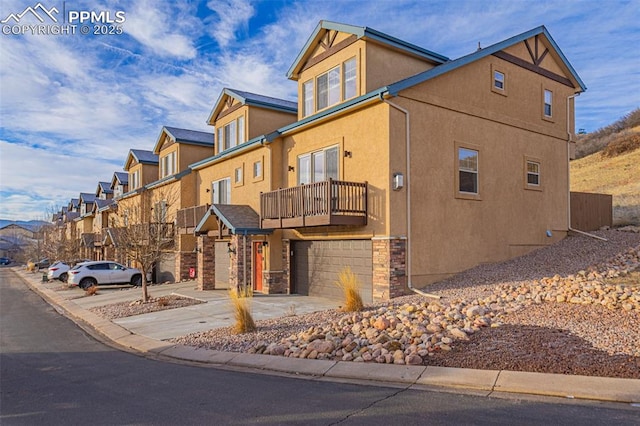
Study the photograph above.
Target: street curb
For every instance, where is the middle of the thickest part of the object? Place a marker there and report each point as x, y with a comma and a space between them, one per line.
492, 381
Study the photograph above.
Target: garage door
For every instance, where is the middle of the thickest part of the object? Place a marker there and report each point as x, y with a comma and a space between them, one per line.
318, 263
166, 268
223, 264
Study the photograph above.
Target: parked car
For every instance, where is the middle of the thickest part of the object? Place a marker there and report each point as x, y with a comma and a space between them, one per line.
44, 263
5, 261
103, 272
58, 271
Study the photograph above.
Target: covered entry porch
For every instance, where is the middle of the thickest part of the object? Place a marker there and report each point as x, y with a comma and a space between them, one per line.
229, 248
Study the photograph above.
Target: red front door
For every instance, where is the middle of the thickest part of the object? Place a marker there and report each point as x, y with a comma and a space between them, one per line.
257, 269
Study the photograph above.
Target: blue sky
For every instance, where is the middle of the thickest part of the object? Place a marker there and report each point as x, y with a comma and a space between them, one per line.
72, 105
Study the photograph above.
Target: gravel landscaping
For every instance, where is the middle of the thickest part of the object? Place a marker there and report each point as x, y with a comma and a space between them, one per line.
571, 308
127, 309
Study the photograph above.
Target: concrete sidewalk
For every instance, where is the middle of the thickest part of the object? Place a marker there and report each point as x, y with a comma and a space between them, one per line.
147, 334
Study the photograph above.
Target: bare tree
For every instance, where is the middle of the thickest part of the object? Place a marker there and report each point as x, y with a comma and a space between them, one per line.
145, 228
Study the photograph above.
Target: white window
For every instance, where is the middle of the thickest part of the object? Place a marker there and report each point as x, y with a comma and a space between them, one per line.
241, 129
257, 169
307, 96
134, 179
533, 173
160, 212
238, 175
318, 166
328, 88
349, 79
117, 191
231, 134
467, 171
221, 191
83, 209
168, 165
548, 102
498, 80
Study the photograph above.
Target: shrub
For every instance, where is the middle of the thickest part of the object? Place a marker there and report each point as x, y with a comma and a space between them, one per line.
241, 301
163, 301
91, 291
350, 286
624, 143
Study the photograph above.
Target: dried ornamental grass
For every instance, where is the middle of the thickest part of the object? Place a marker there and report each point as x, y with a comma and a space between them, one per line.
350, 286
241, 301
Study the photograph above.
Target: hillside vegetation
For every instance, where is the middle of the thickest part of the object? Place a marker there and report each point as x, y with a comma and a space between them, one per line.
609, 162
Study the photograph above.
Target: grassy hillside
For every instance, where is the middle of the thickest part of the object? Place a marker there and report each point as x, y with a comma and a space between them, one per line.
614, 169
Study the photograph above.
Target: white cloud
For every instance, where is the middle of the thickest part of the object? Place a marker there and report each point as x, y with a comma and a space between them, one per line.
149, 24
232, 16
43, 178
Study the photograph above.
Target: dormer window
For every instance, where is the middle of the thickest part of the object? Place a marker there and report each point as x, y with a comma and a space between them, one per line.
307, 95
328, 88
168, 165
231, 134
134, 178
350, 88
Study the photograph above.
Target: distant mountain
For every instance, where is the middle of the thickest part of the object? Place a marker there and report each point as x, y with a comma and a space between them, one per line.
29, 224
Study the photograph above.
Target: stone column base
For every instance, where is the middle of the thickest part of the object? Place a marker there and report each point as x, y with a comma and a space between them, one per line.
184, 261
273, 282
206, 263
389, 267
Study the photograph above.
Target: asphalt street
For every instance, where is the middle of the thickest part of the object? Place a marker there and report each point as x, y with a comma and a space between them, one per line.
53, 372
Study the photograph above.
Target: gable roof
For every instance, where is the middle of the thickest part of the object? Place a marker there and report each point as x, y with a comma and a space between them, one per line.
100, 204
252, 99
74, 202
104, 187
87, 198
141, 156
394, 88
121, 178
191, 137
361, 33
237, 219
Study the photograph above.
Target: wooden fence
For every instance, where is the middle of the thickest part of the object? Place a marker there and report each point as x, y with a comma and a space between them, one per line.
590, 212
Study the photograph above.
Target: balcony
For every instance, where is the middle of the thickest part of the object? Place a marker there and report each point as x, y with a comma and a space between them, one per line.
187, 219
330, 202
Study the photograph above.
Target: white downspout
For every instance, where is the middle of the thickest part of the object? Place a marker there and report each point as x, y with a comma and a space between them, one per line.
408, 198
569, 133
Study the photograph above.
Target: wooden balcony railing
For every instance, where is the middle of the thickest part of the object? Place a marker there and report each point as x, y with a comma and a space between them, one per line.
190, 217
331, 202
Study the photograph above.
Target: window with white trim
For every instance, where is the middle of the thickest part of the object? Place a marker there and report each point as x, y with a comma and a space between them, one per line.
533, 173
134, 179
498, 80
257, 169
168, 165
328, 88
221, 191
160, 212
238, 175
349, 72
548, 102
231, 134
307, 96
467, 171
318, 166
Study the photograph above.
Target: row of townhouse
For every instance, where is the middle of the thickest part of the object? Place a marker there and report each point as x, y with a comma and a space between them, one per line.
396, 161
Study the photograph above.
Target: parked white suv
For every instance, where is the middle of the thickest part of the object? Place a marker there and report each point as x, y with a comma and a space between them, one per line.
58, 271
103, 272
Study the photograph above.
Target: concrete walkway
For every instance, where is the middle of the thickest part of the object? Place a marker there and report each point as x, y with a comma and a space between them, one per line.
148, 333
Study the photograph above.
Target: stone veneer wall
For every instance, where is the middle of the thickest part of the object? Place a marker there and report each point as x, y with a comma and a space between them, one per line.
389, 267
184, 261
273, 282
206, 263
240, 260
